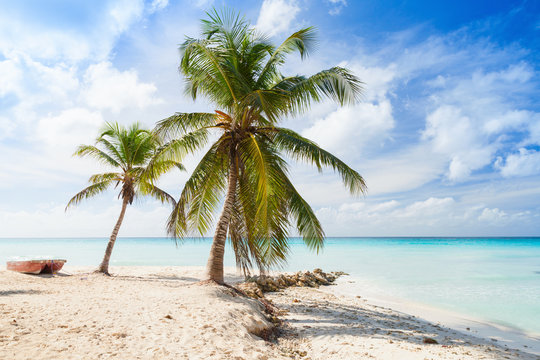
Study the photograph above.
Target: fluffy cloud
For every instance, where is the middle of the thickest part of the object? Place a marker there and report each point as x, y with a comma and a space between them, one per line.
157, 5
23, 29
109, 88
276, 16
525, 162
350, 129
50, 220
69, 129
202, 3
34, 82
6, 127
455, 135
492, 215
11, 75
432, 216
473, 116
338, 5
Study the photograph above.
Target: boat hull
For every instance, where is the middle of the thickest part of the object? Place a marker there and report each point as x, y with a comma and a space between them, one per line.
48, 266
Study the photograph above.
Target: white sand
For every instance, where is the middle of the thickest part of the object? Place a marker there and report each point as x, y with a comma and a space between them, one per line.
162, 313
503, 335
329, 326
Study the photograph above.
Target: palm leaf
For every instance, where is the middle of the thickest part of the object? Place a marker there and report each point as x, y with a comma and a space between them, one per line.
181, 123
200, 196
146, 188
301, 41
90, 150
305, 150
89, 192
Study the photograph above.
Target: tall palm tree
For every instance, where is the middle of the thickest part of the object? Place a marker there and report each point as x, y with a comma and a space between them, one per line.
136, 154
238, 70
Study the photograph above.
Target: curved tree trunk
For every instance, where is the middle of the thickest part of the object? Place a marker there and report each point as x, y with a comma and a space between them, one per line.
104, 266
214, 267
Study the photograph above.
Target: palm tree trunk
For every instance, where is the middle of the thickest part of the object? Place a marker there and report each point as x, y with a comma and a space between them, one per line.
104, 266
214, 267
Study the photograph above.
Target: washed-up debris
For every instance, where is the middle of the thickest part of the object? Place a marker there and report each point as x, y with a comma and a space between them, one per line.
256, 286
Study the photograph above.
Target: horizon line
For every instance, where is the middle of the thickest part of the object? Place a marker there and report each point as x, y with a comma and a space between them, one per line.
290, 237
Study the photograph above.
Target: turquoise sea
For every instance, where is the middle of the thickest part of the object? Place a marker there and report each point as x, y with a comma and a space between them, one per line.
493, 279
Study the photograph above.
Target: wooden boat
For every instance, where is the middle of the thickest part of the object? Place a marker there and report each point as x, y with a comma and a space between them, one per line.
41, 266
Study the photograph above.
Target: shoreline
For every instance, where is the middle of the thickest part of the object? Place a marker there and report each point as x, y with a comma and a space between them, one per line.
505, 335
161, 312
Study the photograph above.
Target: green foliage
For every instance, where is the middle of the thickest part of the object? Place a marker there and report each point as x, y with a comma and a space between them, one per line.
138, 158
238, 70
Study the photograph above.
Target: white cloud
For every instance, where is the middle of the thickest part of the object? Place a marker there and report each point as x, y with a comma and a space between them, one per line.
202, 3
427, 208
109, 88
378, 81
6, 127
157, 5
46, 38
338, 6
351, 129
406, 170
511, 120
525, 162
69, 129
491, 215
276, 16
473, 115
34, 82
50, 220
123, 13
455, 135
439, 216
45, 159
11, 75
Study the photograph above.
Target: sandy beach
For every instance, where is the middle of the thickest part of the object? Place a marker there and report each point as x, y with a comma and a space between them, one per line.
164, 313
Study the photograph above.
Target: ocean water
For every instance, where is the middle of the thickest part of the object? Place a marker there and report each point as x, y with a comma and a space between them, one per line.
493, 279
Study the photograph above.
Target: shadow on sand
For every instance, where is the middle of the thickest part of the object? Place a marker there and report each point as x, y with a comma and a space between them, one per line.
19, 292
308, 319
153, 277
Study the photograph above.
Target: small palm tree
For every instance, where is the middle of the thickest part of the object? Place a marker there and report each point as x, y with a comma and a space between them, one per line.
136, 155
239, 71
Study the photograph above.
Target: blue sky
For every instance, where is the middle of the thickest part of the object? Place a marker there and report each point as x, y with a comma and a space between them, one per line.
447, 135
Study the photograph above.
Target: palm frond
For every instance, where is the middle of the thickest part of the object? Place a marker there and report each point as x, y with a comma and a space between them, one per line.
301, 41
202, 60
97, 178
303, 149
181, 123
146, 188
336, 83
101, 156
307, 224
89, 192
132, 151
200, 196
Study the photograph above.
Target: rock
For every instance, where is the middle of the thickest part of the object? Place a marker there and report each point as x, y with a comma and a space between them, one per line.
321, 279
251, 289
256, 286
428, 340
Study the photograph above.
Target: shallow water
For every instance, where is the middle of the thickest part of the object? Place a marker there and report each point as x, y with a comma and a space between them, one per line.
497, 280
